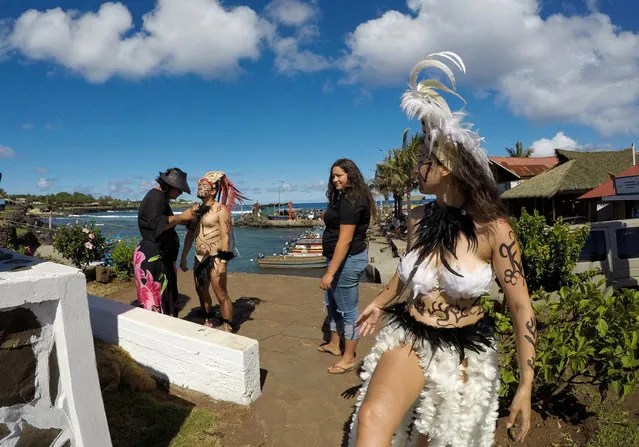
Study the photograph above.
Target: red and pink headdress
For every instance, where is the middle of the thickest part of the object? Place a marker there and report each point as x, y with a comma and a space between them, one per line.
227, 193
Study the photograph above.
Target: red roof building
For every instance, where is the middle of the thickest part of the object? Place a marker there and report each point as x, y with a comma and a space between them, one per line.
525, 167
607, 189
610, 202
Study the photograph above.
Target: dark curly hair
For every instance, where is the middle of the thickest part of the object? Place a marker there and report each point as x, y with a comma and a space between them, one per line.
356, 190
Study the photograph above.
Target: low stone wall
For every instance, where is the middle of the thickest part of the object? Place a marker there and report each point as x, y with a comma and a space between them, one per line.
49, 389
222, 365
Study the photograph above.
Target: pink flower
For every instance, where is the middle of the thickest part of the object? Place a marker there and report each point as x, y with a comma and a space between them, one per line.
89, 245
85, 230
91, 236
150, 294
147, 298
138, 257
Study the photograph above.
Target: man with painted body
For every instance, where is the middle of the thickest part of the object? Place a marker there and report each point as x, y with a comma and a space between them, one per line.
211, 230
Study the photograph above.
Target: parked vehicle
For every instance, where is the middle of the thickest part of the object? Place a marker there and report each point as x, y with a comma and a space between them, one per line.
613, 247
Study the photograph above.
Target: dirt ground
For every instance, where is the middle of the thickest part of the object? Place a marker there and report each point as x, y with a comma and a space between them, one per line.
301, 403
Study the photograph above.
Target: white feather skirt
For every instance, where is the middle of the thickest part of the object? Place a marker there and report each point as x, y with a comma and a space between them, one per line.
449, 411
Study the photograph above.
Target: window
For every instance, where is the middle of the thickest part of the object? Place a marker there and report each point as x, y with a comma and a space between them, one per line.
628, 243
595, 247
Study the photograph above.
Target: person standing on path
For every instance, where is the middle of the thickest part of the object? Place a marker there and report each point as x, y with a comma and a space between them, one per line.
211, 230
155, 256
347, 217
432, 377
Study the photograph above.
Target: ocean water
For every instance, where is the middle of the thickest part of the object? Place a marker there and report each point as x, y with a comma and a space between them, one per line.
250, 242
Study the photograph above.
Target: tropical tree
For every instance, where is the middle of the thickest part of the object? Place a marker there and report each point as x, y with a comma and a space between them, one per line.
519, 151
3, 194
396, 173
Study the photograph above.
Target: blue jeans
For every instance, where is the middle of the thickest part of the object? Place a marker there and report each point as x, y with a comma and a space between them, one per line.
342, 299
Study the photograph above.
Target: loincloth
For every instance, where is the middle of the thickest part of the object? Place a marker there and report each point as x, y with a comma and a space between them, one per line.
202, 269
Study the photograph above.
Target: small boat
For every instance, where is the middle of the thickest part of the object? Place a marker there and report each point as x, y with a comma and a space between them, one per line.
293, 261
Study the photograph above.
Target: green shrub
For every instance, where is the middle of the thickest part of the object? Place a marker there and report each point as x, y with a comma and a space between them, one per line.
549, 254
122, 256
80, 244
586, 334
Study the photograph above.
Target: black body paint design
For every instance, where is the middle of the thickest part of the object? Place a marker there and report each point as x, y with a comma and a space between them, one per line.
513, 274
531, 337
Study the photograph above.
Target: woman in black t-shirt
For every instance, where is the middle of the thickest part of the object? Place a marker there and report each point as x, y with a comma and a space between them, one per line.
155, 256
350, 205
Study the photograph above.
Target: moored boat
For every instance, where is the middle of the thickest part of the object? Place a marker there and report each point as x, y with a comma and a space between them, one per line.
293, 261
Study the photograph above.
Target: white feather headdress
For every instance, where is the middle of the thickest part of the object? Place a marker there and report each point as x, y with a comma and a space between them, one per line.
443, 127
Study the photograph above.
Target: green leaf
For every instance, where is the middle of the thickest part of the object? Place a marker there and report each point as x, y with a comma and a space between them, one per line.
153, 259
602, 327
627, 389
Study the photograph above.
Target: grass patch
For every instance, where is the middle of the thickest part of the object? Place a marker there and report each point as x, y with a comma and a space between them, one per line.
105, 290
157, 419
615, 430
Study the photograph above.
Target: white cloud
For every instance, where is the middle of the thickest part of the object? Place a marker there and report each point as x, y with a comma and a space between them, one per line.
176, 37
146, 185
83, 189
328, 87
6, 152
290, 60
121, 188
27, 126
303, 18
546, 147
318, 186
581, 69
44, 184
41, 169
291, 12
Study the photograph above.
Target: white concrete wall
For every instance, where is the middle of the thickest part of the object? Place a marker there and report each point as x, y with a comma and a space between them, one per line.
222, 365
56, 294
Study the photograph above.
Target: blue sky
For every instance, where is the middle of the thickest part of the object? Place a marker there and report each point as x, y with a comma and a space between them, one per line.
98, 97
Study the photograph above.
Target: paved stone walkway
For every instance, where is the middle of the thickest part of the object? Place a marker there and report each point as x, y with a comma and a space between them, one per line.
301, 404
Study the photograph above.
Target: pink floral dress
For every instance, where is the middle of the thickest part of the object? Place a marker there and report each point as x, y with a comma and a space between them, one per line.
155, 256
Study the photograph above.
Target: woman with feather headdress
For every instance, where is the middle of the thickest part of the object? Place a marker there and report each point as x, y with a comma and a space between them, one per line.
432, 377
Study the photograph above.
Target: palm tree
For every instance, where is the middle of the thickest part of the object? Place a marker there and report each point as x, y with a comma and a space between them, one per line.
386, 176
410, 154
519, 151
397, 171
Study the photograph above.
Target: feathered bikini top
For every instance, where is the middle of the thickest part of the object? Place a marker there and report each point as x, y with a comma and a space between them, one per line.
438, 233
429, 277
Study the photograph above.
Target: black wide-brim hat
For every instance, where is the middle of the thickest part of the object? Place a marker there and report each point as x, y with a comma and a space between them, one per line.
176, 178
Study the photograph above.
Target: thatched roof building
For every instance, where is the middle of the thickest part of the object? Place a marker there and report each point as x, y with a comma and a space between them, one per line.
555, 191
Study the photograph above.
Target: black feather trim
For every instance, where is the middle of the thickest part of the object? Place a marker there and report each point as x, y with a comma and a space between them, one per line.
474, 337
439, 230
225, 255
